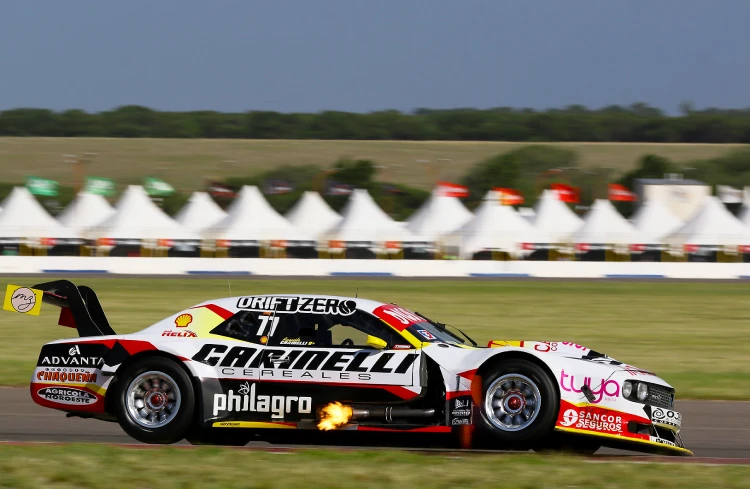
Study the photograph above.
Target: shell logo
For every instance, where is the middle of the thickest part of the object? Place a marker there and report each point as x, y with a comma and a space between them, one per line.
183, 320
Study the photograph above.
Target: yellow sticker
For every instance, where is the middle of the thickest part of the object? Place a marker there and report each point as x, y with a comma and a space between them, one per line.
23, 299
502, 343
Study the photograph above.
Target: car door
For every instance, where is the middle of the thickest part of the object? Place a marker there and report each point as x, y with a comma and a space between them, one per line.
233, 354
323, 358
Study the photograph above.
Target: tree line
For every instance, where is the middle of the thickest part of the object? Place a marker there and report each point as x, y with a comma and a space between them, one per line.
529, 169
634, 123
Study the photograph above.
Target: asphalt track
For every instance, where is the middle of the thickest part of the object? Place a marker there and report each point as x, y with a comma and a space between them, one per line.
711, 429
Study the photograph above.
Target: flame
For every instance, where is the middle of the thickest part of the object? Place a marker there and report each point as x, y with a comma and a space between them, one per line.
334, 415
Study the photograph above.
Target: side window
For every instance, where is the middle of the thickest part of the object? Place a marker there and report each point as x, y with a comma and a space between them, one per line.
295, 330
372, 326
327, 330
345, 335
245, 326
310, 330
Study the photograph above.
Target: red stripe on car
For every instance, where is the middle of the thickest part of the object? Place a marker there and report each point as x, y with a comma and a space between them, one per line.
220, 311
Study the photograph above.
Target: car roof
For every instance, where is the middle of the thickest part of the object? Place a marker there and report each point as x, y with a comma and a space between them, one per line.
232, 303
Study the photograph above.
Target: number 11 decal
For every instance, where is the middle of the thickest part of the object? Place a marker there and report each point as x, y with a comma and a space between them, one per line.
264, 322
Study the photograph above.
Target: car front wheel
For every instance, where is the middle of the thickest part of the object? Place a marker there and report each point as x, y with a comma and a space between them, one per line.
155, 402
519, 404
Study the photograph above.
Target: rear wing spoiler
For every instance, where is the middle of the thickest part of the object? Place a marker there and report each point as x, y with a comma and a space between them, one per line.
80, 307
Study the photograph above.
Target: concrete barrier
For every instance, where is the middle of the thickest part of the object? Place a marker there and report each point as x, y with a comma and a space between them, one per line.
368, 268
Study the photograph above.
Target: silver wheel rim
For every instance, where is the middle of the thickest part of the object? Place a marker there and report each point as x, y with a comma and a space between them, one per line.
512, 402
153, 399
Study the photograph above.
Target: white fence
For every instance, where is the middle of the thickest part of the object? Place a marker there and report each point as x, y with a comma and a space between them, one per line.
363, 268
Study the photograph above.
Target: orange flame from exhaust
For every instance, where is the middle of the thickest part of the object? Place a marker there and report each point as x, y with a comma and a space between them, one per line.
334, 415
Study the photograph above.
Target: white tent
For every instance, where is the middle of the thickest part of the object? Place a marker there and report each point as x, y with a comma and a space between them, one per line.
494, 227
604, 225
363, 221
251, 218
137, 217
85, 211
24, 217
654, 221
744, 214
313, 215
200, 212
438, 215
527, 213
713, 224
554, 219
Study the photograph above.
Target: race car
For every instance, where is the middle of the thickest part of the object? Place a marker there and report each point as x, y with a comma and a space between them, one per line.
254, 364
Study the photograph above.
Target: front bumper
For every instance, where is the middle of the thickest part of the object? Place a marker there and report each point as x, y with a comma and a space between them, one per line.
655, 445
656, 431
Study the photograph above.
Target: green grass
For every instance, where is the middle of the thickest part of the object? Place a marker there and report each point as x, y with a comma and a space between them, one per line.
695, 335
89, 466
188, 163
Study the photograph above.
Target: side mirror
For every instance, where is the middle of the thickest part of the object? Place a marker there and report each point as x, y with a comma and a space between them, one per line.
376, 342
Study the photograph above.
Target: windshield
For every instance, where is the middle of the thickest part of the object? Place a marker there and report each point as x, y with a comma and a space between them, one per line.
429, 332
403, 319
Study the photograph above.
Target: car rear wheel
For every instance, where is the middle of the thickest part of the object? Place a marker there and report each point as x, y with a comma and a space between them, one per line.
155, 401
519, 404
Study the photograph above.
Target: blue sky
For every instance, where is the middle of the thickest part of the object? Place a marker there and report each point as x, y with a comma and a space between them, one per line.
364, 55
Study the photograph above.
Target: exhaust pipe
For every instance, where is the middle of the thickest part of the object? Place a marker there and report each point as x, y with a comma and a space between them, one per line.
388, 413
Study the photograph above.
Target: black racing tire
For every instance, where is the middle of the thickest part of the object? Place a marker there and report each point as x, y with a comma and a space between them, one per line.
168, 381
533, 394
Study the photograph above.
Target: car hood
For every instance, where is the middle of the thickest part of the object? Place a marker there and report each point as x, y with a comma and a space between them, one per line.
569, 350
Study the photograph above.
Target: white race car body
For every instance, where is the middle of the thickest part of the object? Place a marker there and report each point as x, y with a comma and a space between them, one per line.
274, 362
